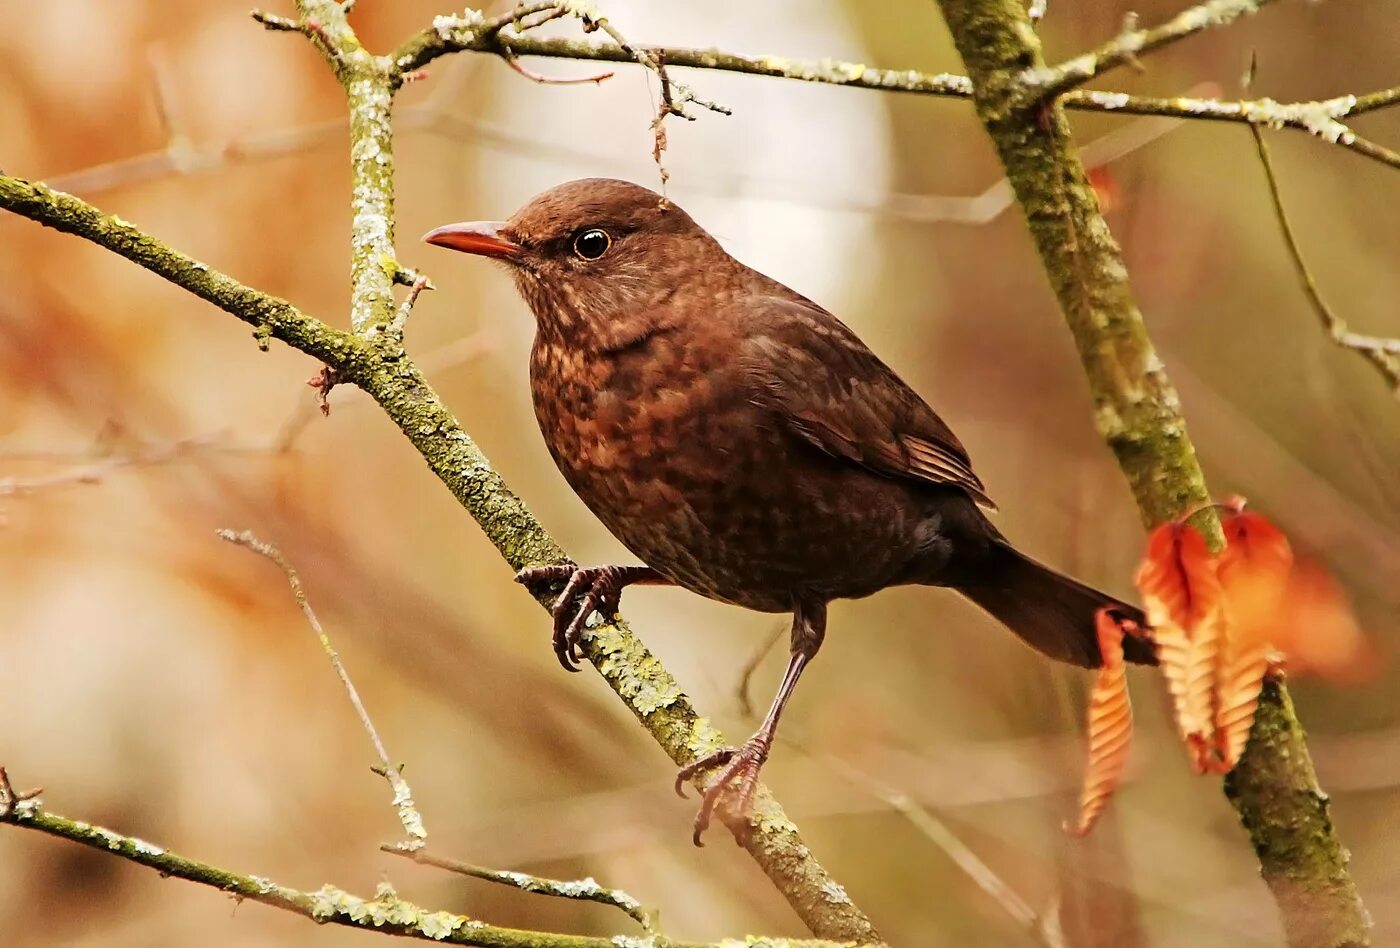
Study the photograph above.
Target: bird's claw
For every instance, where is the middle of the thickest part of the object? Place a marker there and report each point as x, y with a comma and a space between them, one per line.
586, 590
733, 787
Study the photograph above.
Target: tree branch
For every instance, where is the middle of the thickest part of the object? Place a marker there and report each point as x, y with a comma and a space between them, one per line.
1050, 81
1274, 788
1302, 116
1383, 353
586, 890
404, 807
386, 912
381, 368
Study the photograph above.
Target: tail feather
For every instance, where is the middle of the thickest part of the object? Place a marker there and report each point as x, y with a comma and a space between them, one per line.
1051, 612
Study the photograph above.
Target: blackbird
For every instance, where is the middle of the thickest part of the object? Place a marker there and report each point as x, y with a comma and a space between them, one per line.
745, 445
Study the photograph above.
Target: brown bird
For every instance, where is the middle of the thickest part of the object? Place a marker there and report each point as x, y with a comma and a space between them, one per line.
745, 445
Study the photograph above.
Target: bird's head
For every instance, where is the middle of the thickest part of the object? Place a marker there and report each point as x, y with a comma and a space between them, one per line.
594, 258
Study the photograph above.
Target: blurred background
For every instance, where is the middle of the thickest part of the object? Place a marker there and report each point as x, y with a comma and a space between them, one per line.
163, 683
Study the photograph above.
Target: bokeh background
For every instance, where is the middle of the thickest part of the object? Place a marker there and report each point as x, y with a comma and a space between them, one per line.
161, 682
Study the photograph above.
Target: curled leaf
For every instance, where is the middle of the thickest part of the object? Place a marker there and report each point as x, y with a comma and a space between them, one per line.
1110, 724
1254, 570
1182, 597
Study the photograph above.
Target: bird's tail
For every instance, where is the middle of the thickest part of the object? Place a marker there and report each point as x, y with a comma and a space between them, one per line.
1051, 612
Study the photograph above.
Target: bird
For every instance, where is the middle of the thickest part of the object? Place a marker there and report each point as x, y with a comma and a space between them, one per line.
745, 445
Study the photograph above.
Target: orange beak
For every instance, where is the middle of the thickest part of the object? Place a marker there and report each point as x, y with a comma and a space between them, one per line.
482, 238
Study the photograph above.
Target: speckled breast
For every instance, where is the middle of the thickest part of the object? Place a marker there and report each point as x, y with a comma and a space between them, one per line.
664, 447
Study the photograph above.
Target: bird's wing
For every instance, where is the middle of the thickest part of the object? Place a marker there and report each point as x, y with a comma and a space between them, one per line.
812, 372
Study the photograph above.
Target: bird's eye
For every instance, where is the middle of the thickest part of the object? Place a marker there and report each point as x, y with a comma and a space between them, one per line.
592, 243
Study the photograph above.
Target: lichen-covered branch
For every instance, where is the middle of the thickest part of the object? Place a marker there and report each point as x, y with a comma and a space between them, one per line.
381, 367
1051, 81
1139, 414
328, 905
586, 890
1321, 118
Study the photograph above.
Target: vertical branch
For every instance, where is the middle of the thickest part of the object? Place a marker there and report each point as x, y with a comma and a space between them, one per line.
370, 82
1274, 788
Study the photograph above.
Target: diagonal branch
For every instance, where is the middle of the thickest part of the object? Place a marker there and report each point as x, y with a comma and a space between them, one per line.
1046, 82
1274, 788
381, 368
404, 807
1383, 353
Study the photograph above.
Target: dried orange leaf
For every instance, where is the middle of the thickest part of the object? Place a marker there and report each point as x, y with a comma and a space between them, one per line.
1182, 598
1254, 570
1110, 725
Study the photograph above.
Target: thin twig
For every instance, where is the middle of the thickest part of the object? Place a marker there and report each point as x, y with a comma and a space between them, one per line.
587, 890
743, 691
1043, 927
403, 797
1047, 82
1383, 353
675, 94
386, 913
16, 804
94, 471
272, 21
514, 63
401, 317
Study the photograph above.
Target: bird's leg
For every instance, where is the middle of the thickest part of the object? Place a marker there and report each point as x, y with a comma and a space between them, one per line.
734, 785
586, 589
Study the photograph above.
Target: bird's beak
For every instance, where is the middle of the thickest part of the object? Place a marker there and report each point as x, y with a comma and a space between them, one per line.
479, 237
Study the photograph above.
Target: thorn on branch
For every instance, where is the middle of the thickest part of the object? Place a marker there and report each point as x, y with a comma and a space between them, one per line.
1130, 27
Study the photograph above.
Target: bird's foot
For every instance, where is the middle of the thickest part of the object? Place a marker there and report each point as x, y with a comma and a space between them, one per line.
734, 785
586, 590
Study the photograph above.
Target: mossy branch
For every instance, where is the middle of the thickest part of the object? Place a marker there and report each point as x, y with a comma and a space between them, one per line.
380, 367
328, 905
372, 357
1322, 119
1274, 788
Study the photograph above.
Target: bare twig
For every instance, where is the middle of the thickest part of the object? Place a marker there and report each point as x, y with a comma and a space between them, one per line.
401, 317
16, 804
743, 690
1050, 81
272, 21
385, 913
93, 472
1383, 353
533, 76
587, 890
675, 95
403, 796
